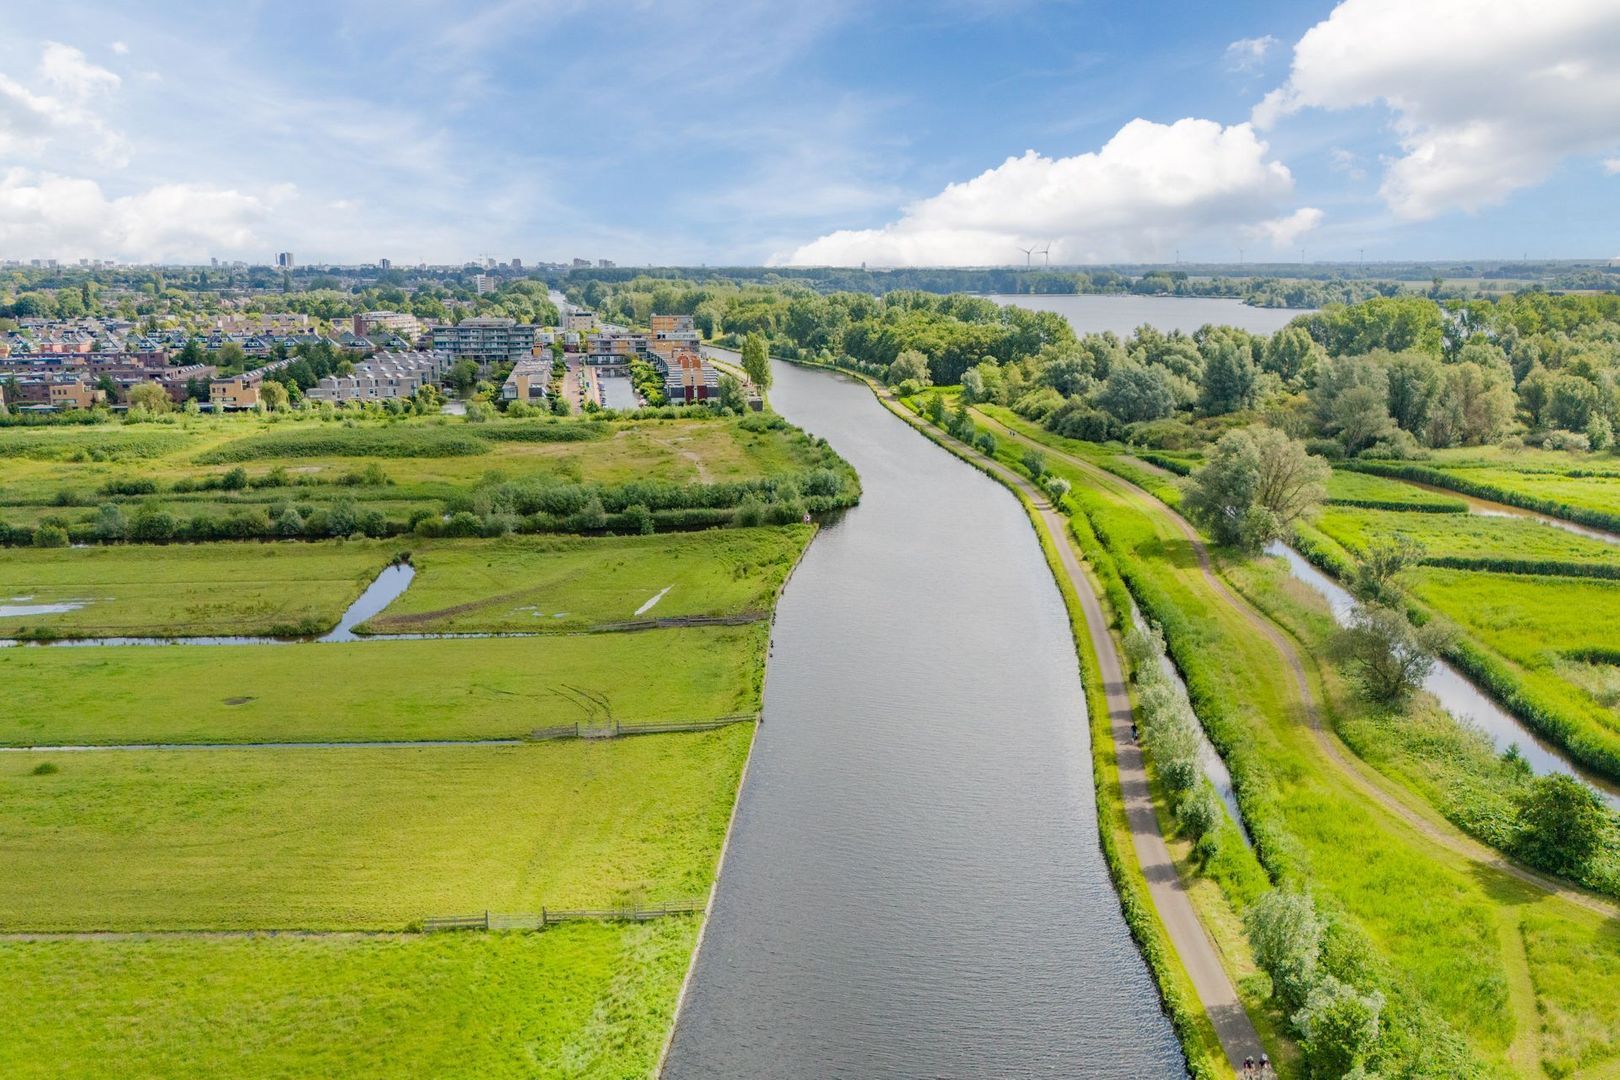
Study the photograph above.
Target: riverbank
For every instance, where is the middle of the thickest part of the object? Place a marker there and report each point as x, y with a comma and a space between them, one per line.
1312, 805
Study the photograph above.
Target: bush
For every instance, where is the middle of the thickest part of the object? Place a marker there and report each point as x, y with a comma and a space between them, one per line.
1286, 935
1560, 824
50, 536
45, 768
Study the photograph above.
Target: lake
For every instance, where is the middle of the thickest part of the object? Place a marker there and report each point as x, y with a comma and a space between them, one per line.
1095, 313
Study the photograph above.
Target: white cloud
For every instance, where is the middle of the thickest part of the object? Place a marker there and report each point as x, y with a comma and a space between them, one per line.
61, 124
120, 48
1488, 96
67, 68
1612, 166
1284, 231
1150, 188
72, 217
1245, 55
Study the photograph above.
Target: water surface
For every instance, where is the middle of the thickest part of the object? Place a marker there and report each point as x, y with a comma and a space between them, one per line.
1461, 698
1095, 313
914, 886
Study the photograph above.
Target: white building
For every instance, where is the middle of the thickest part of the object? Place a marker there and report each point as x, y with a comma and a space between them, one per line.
386, 375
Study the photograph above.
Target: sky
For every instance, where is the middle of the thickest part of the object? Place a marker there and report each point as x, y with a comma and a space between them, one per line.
843, 132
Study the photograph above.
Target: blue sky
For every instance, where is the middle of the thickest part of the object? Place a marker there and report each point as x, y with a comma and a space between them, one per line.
751, 131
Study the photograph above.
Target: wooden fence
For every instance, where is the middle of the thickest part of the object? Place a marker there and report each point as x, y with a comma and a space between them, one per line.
490, 920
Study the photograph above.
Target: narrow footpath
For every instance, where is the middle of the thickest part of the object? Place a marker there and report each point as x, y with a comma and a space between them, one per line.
1355, 771
1196, 949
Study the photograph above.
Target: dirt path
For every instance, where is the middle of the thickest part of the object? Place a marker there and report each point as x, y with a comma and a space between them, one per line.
1197, 950
1351, 769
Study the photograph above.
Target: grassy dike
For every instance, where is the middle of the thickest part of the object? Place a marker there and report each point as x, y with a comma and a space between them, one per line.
1485, 974
1205, 1058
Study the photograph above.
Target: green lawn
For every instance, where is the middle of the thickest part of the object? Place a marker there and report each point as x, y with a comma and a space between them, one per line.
1465, 536
359, 838
577, 1001
568, 583
1354, 487
447, 689
190, 589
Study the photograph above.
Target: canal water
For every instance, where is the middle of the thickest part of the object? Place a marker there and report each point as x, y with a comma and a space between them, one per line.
913, 886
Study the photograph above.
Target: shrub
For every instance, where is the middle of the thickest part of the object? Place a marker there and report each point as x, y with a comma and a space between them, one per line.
50, 536
45, 768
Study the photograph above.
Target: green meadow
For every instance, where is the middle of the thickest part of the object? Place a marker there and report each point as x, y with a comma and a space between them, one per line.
540, 584
189, 589
466, 688
1507, 540
577, 1001
1368, 490
347, 838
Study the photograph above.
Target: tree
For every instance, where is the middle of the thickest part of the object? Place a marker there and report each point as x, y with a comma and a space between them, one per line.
1560, 824
151, 397
972, 385
1257, 483
1475, 406
732, 398
1134, 392
273, 394
1291, 355
1231, 377
756, 362
1286, 936
463, 375
1035, 463
1385, 655
1415, 382
1340, 1025
1377, 571
910, 364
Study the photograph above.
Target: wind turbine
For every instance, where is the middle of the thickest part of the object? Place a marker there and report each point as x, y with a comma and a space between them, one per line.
1029, 254
1045, 254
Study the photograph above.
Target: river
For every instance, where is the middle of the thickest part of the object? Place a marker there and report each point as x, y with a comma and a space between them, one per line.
1094, 313
913, 885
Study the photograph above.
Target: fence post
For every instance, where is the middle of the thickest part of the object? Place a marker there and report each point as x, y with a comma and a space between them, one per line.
542, 918
486, 918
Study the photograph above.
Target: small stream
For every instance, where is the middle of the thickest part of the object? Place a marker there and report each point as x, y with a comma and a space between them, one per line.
1461, 698
1209, 758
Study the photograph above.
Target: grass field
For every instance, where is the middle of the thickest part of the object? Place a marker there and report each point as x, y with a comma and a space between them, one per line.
448, 689
190, 589
359, 839
1444, 929
1465, 536
395, 467
1365, 489
566, 583
346, 847
577, 1001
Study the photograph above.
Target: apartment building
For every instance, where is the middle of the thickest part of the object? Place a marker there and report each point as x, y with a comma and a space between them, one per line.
528, 380
387, 322
241, 391
688, 377
486, 340
671, 334
385, 376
